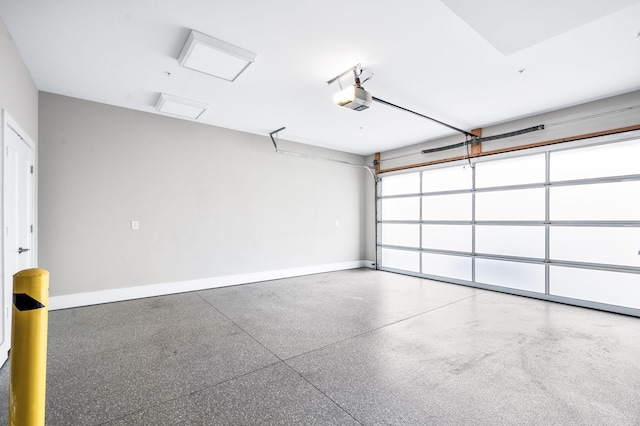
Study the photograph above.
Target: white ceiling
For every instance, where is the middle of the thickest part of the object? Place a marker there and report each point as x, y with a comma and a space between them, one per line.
451, 60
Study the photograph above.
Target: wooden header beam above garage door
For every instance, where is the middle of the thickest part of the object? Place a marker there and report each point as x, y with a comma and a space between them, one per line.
476, 150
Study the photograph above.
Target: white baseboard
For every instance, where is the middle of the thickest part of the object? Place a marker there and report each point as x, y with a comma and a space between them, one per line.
139, 292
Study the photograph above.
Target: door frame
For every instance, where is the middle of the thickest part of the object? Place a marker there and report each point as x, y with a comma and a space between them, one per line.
10, 125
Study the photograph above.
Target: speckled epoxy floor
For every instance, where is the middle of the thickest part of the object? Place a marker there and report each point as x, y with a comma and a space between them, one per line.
344, 348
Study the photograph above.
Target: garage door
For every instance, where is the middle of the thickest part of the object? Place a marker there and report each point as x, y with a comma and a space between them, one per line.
559, 223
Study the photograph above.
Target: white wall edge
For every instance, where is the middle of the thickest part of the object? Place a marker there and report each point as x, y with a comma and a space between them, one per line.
139, 292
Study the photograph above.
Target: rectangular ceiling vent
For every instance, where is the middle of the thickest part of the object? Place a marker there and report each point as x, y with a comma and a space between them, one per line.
214, 57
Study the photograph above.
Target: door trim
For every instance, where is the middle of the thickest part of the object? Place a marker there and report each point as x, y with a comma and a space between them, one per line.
10, 125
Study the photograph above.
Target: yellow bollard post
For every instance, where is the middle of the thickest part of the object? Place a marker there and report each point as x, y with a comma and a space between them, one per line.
27, 387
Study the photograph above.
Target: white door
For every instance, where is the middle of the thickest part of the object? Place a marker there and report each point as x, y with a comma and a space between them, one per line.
18, 214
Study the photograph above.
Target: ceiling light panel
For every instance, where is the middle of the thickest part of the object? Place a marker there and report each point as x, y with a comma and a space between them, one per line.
180, 107
214, 57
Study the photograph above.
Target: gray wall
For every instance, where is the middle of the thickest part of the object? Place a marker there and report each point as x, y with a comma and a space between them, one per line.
18, 92
211, 202
18, 95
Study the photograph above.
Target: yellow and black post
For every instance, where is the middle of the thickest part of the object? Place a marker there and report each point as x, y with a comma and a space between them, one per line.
27, 387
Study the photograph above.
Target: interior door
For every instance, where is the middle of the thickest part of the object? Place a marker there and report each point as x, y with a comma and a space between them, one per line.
18, 214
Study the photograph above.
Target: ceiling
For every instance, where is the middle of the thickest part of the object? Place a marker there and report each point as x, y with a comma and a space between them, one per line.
467, 63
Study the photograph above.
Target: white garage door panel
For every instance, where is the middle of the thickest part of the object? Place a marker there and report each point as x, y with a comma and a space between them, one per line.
606, 245
401, 209
602, 201
400, 259
618, 159
447, 179
447, 237
511, 171
447, 266
613, 288
521, 204
447, 207
519, 241
401, 184
406, 235
523, 276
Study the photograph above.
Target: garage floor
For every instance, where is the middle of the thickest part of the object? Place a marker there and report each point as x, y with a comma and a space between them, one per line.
346, 348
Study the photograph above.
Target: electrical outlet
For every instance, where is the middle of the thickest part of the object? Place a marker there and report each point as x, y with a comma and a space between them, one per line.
135, 225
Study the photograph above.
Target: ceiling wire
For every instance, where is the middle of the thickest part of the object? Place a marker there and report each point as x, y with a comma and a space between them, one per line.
466, 145
276, 140
315, 157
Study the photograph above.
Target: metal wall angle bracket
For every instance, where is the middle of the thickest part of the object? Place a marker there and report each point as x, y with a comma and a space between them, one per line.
275, 132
